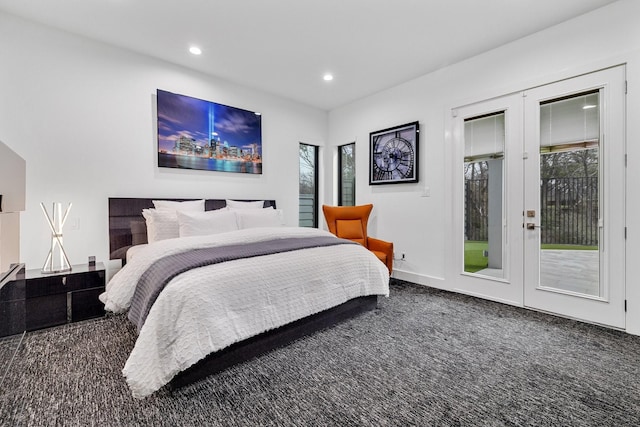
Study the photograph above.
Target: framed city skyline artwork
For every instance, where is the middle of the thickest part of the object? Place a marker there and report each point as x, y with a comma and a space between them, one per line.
204, 135
393, 154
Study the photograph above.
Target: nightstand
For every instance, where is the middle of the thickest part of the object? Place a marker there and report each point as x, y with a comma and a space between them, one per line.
58, 298
12, 301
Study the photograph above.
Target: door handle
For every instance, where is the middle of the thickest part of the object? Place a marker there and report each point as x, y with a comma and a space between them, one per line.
532, 226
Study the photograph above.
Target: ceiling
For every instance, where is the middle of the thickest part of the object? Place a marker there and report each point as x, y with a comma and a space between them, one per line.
284, 47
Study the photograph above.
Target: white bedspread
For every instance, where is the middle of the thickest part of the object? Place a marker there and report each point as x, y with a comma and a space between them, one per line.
209, 308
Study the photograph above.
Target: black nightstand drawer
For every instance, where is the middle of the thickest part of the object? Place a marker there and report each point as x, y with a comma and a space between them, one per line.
63, 282
42, 312
86, 305
58, 298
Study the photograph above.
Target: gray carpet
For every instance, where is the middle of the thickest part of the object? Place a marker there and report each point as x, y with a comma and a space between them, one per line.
423, 358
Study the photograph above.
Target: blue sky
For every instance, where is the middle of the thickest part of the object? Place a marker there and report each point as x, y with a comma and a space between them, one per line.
180, 115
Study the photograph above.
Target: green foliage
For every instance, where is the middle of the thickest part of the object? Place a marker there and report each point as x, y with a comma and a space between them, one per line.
473, 256
568, 247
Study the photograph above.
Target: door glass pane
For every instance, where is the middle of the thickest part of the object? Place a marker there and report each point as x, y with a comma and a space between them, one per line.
569, 194
484, 246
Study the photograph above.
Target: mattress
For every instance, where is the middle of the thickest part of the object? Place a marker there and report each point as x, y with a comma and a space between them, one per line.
207, 309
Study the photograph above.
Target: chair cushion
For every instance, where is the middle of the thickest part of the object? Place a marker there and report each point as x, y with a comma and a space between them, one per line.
350, 229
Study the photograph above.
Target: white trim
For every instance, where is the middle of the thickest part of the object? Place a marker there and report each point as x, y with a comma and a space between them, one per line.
420, 279
488, 297
542, 80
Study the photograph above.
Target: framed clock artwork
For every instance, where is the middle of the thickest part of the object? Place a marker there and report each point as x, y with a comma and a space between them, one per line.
393, 155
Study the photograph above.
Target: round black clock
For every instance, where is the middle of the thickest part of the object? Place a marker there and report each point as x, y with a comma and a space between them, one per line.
392, 158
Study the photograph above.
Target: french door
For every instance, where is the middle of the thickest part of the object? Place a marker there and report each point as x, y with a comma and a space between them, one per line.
488, 199
540, 198
574, 198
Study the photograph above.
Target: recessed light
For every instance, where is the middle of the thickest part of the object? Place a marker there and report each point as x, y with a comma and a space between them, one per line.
589, 106
328, 77
195, 50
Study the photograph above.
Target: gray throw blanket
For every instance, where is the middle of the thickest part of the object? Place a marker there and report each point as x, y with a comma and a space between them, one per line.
160, 273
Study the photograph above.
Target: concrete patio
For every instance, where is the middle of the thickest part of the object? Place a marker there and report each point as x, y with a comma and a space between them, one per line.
568, 270
575, 271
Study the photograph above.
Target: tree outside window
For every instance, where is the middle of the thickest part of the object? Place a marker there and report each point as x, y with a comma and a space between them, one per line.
347, 175
308, 186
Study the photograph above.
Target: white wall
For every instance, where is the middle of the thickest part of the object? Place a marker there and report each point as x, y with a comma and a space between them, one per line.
81, 114
420, 226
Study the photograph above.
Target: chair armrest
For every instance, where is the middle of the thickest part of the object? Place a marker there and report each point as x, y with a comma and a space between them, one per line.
379, 245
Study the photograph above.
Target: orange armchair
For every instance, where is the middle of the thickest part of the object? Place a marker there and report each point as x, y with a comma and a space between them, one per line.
350, 222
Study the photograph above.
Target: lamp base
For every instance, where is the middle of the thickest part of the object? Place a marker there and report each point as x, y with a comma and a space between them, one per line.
56, 270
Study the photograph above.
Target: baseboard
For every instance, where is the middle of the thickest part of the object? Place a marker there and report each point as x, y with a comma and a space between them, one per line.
420, 279
487, 297
440, 283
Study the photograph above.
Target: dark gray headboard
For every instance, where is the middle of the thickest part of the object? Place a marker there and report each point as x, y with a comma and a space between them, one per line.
126, 223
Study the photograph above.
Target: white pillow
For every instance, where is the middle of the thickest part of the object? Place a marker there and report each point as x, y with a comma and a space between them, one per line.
133, 250
161, 224
252, 218
236, 204
188, 206
205, 223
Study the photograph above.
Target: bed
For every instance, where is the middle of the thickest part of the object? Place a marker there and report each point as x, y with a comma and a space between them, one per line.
284, 283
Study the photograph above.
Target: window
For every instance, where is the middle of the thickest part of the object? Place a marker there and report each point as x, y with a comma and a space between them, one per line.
308, 199
347, 174
484, 141
570, 198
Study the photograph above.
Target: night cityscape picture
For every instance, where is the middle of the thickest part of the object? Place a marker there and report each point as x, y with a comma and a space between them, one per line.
198, 134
